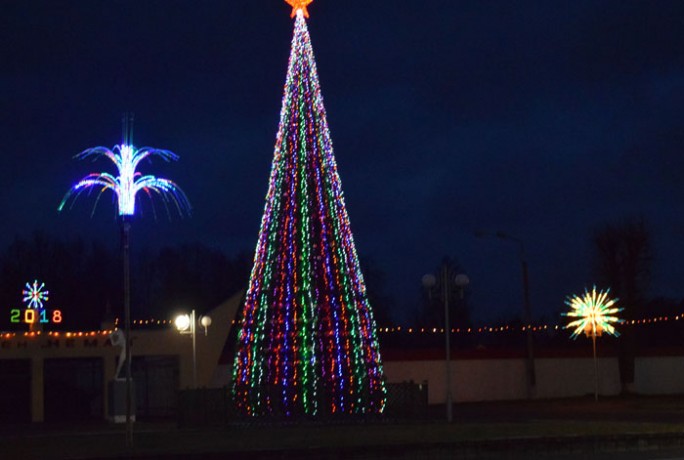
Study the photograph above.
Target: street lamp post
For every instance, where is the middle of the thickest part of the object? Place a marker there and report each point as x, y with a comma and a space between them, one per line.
593, 314
187, 324
126, 238
461, 281
527, 310
126, 186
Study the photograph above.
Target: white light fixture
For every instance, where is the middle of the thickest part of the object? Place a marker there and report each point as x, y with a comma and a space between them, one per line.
429, 280
187, 324
182, 322
205, 322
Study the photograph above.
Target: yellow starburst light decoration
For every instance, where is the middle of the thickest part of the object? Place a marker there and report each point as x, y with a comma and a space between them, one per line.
299, 5
594, 312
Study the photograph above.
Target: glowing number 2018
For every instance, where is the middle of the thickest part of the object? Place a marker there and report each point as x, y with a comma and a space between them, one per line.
30, 316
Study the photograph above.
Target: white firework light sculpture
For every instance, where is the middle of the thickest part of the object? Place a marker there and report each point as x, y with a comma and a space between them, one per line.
34, 295
129, 182
594, 313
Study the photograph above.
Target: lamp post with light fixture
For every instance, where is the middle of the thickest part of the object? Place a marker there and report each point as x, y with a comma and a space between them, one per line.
125, 187
430, 282
531, 378
187, 324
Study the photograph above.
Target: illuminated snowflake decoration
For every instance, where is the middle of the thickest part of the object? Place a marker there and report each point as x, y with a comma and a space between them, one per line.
34, 295
594, 313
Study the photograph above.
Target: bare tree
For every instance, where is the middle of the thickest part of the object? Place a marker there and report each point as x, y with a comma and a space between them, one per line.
623, 262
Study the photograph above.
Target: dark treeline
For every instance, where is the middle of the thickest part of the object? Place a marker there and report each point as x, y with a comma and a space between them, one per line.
85, 279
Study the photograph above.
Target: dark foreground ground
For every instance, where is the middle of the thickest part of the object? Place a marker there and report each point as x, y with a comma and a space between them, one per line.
612, 428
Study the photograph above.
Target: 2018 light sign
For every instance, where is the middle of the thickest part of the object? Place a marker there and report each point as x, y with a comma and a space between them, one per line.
34, 296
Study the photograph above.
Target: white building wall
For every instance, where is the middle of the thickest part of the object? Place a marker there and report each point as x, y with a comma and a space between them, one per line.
659, 375
567, 377
504, 379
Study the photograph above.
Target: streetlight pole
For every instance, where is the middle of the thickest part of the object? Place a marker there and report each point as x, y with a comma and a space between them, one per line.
530, 373
127, 327
193, 328
126, 186
187, 324
596, 365
127, 122
429, 282
445, 282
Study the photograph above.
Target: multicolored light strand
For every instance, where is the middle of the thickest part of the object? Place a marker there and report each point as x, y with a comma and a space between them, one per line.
307, 343
594, 312
129, 182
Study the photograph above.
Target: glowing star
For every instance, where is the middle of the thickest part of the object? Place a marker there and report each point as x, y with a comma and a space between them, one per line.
594, 312
128, 183
299, 5
34, 295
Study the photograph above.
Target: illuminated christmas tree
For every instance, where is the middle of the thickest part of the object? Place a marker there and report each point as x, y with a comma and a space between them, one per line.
307, 343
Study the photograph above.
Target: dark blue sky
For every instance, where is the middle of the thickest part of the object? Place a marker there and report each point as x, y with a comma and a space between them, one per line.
541, 119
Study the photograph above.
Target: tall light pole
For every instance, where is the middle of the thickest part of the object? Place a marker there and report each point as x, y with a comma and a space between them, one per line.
187, 324
530, 373
593, 313
126, 248
125, 186
461, 281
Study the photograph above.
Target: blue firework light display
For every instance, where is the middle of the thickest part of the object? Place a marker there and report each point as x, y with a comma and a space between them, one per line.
127, 184
307, 342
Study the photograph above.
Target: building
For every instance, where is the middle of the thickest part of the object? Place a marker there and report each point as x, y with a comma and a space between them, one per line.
63, 376
57, 376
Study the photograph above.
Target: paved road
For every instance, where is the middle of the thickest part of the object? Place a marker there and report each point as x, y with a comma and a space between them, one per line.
665, 455
661, 455
523, 430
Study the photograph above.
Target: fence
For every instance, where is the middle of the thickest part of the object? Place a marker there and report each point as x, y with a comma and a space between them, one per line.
214, 406
504, 379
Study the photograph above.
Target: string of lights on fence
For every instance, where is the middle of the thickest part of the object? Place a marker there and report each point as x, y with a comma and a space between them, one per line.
382, 330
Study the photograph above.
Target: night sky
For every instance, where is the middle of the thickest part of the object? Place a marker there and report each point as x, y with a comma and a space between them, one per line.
544, 120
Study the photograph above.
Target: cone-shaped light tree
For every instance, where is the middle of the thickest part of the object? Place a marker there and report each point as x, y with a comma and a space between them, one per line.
307, 343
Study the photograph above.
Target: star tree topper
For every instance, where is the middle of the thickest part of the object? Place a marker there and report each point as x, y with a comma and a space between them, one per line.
299, 5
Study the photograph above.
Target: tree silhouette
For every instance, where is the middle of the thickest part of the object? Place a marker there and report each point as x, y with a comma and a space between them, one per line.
79, 276
190, 276
84, 282
623, 263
